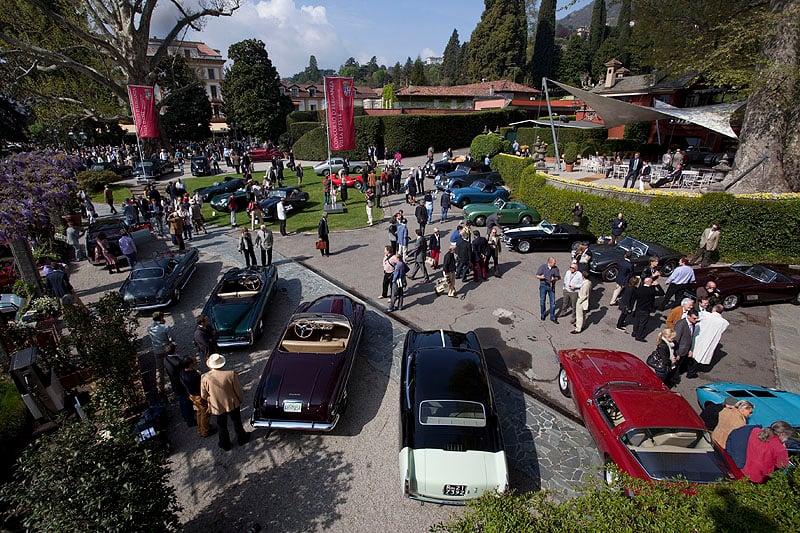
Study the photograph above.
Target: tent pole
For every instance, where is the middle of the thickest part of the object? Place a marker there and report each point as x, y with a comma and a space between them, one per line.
552, 126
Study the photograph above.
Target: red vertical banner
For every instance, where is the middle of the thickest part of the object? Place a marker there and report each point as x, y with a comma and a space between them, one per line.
339, 94
143, 107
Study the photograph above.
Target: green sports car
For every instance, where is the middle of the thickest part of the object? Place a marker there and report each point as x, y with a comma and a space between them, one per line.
510, 213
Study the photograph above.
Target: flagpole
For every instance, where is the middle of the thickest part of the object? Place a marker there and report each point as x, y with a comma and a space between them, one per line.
327, 123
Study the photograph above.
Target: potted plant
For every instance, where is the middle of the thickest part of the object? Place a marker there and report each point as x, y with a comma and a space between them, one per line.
571, 155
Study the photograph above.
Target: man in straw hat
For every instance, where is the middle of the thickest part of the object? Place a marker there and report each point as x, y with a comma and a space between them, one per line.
223, 392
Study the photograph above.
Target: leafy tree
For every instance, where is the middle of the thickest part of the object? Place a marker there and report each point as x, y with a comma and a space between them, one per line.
251, 90
388, 96
379, 78
14, 119
597, 28
464, 62
608, 50
624, 32
451, 59
573, 64
350, 68
188, 111
753, 45
396, 74
418, 73
544, 43
497, 47
532, 16
97, 45
311, 74
408, 70
87, 477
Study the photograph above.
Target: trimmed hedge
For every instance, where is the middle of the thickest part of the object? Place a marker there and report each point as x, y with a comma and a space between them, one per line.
409, 134
298, 129
94, 180
752, 229
303, 116
488, 144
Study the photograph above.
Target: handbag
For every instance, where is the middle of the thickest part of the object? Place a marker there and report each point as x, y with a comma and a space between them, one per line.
655, 362
429, 261
320, 245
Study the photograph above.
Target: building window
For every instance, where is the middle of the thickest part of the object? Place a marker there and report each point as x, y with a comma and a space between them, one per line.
187, 53
215, 110
295, 92
312, 91
283, 91
213, 92
212, 74
312, 107
453, 104
436, 104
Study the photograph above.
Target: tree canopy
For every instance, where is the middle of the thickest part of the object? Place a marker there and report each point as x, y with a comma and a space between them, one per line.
544, 43
451, 61
498, 42
187, 111
597, 28
251, 90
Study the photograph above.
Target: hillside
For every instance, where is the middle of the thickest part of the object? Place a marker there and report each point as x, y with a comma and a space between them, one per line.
583, 16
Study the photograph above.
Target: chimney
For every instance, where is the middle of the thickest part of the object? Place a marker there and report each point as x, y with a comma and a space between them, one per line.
611, 69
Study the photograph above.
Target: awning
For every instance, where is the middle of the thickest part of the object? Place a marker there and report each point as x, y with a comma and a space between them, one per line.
578, 124
715, 117
613, 112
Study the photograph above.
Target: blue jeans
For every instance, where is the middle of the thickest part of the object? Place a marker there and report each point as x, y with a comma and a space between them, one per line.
544, 292
430, 215
444, 214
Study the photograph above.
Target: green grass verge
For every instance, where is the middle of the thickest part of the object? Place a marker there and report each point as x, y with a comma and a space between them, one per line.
306, 219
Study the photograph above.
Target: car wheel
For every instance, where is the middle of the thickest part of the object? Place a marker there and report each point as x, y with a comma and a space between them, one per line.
563, 382
524, 246
480, 221
326, 172
527, 220
259, 328
731, 301
610, 475
357, 169
667, 269
796, 299
610, 274
463, 202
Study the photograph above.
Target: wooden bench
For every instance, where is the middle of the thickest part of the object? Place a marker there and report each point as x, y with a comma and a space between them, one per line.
300, 346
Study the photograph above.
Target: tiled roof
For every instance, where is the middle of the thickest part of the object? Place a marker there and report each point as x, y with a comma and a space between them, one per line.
485, 88
304, 90
203, 50
646, 83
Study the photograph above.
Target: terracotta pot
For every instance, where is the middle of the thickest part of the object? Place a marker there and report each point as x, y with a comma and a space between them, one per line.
570, 166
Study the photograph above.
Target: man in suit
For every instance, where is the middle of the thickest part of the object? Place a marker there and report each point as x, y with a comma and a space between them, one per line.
645, 305
323, 231
420, 253
635, 167
223, 392
624, 274
684, 338
582, 304
709, 241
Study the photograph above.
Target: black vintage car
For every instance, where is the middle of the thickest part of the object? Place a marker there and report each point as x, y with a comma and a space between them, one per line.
125, 171
200, 166
304, 383
158, 282
451, 445
605, 257
114, 228
238, 303
544, 236
227, 185
149, 170
295, 199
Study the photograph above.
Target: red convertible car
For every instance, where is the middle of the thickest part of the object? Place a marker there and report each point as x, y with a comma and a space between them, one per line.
260, 155
356, 181
746, 283
641, 426
304, 383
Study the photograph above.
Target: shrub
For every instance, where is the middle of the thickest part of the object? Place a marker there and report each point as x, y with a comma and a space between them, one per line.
94, 180
298, 129
489, 144
510, 168
14, 423
571, 153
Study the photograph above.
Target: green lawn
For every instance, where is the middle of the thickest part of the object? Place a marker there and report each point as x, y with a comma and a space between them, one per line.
306, 219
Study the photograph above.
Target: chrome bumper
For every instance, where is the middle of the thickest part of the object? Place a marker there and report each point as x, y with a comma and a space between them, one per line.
151, 307
296, 425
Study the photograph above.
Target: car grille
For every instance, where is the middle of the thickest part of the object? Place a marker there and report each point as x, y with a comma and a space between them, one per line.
454, 447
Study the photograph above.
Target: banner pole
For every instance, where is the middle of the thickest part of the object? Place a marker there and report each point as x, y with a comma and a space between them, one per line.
327, 123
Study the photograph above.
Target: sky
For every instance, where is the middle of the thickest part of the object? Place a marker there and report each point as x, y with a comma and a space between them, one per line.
334, 31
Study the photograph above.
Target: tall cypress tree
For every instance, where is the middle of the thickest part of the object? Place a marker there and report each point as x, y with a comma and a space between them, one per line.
451, 59
418, 73
624, 31
544, 43
497, 45
597, 29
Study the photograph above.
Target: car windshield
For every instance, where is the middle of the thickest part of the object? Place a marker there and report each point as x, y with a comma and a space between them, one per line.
452, 413
670, 453
761, 273
546, 226
147, 273
499, 203
638, 248
98, 166
277, 194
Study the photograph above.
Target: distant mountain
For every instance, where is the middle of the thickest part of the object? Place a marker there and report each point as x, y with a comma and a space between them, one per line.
583, 16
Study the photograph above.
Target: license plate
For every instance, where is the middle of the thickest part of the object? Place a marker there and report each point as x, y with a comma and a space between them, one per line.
292, 406
454, 490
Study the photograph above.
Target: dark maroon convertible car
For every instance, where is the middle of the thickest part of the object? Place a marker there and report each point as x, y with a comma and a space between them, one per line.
745, 283
304, 384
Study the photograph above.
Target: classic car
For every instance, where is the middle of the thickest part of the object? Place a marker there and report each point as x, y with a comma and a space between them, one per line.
355, 180
770, 405
152, 169
295, 199
638, 424
228, 184
478, 192
510, 213
447, 182
238, 303
114, 227
158, 282
451, 446
304, 383
126, 171
200, 166
544, 236
261, 154
605, 257
335, 164
220, 202
746, 283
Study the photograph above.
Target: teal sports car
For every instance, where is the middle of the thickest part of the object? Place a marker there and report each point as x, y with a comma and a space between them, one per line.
238, 303
479, 191
510, 213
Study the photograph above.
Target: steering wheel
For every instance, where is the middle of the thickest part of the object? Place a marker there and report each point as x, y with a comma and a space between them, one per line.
251, 283
303, 329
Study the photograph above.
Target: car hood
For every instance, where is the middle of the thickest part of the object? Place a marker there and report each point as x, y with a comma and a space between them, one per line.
522, 230
723, 273
695, 466
308, 377
231, 318
479, 471
606, 251
475, 208
141, 287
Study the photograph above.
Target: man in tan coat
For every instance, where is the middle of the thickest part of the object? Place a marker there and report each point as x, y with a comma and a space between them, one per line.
582, 305
223, 392
709, 241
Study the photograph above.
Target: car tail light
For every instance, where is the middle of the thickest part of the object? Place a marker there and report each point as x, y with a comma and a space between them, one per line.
407, 485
